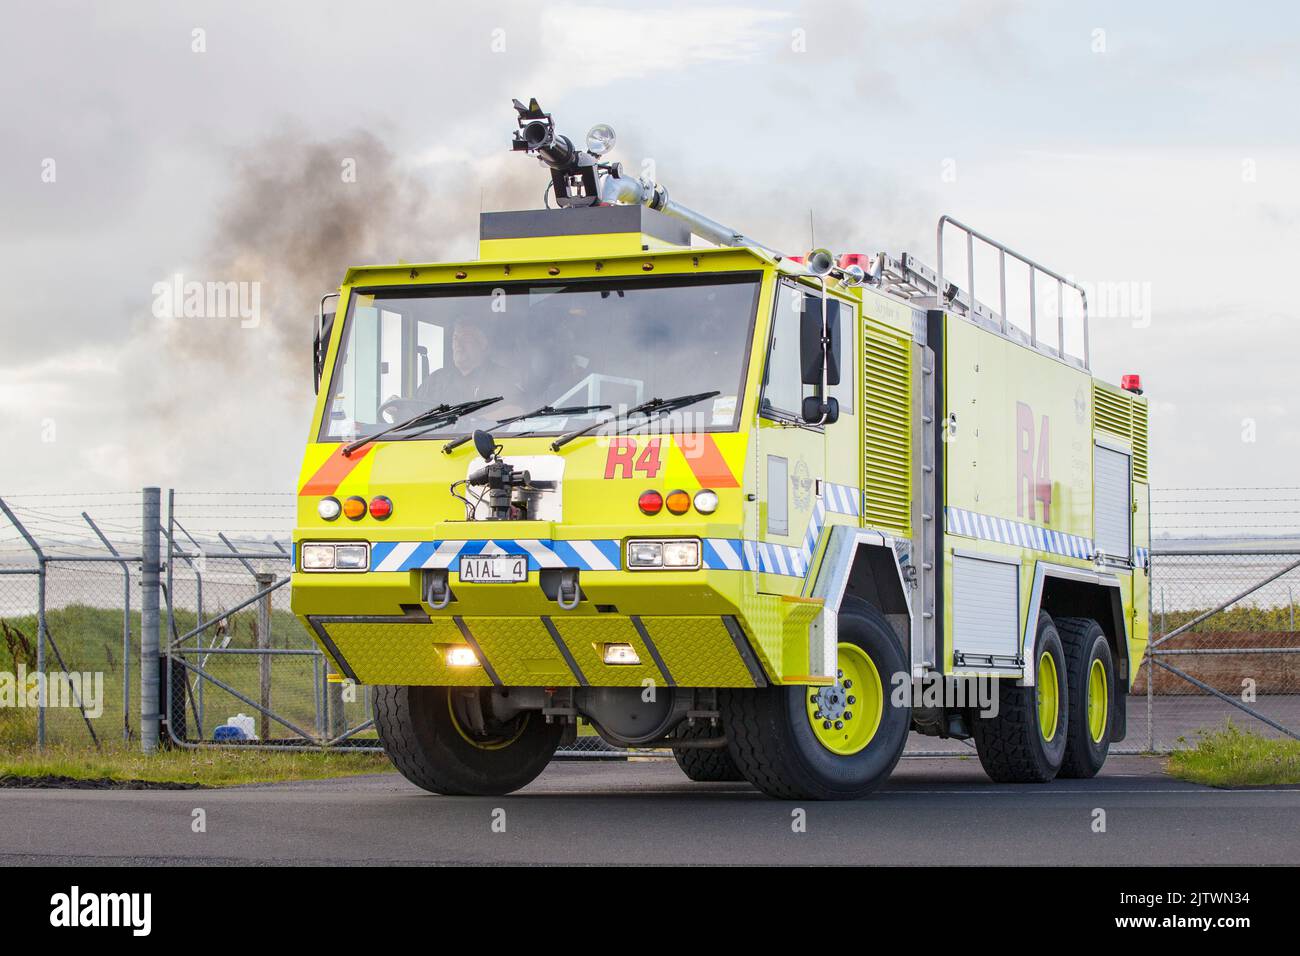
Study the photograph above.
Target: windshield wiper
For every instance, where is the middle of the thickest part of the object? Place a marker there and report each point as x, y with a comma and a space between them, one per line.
433, 418
545, 411
652, 409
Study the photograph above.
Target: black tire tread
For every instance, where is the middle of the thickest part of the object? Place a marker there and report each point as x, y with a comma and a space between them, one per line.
1005, 744
392, 721
756, 743
1076, 639
705, 765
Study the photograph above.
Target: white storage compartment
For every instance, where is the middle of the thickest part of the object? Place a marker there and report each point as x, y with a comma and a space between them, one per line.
1112, 486
985, 612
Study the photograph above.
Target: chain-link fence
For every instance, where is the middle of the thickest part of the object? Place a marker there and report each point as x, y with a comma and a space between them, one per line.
237, 668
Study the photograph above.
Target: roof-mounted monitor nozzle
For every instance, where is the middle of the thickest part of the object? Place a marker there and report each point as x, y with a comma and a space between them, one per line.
580, 178
573, 171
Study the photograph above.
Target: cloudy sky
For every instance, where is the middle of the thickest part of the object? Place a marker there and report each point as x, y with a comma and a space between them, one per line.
1147, 147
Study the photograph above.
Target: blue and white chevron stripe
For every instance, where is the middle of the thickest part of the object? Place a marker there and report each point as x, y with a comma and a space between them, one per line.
720, 554
733, 554
600, 555
972, 524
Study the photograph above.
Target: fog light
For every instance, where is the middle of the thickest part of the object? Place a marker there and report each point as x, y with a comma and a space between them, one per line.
461, 655
317, 557
351, 557
621, 654
329, 508
645, 554
681, 554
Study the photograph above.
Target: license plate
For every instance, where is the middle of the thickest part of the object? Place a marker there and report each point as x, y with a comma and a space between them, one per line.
494, 569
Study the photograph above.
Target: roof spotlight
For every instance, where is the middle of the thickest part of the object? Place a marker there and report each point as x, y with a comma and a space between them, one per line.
600, 139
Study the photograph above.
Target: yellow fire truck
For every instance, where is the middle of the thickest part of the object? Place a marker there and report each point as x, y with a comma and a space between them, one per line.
773, 512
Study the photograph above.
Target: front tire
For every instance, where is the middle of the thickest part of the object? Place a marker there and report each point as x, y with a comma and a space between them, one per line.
433, 749
1091, 670
1025, 741
826, 743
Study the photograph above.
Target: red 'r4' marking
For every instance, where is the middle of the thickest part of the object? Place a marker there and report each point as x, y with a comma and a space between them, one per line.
622, 457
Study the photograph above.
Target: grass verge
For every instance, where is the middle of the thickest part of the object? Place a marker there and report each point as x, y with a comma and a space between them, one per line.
116, 765
1231, 757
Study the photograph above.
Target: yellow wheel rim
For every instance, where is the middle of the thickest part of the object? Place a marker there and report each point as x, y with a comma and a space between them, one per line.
1049, 700
1098, 700
485, 743
846, 715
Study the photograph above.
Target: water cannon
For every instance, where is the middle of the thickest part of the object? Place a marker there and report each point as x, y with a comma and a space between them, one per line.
573, 170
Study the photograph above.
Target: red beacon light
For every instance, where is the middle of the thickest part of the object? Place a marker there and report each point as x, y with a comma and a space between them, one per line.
1131, 383
859, 259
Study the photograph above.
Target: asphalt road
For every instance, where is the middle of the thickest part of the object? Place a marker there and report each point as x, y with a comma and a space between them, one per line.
933, 811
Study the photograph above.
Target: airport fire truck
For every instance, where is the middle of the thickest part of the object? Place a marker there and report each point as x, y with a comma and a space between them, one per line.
632, 472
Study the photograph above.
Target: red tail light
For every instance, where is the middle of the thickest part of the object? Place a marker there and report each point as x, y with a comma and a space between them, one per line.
380, 507
650, 502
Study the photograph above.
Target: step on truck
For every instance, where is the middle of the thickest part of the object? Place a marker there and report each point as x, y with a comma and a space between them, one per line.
634, 473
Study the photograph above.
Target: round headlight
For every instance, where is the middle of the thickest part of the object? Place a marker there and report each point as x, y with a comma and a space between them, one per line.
329, 508
706, 501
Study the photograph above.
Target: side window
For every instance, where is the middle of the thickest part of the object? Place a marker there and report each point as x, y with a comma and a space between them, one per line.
783, 392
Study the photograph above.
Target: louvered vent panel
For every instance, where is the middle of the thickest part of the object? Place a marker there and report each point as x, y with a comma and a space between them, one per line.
887, 456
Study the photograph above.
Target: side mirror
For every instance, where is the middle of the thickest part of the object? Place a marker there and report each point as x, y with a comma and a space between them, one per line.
815, 410
812, 355
319, 347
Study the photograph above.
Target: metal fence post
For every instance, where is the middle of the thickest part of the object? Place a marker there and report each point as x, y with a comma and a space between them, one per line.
264, 580
338, 722
150, 634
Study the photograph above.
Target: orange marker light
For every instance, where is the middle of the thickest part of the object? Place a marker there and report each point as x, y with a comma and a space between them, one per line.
355, 508
679, 502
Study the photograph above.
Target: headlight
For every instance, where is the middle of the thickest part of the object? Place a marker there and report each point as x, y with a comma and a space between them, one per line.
347, 556
682, 554
674, 554
645, 554
351, 557
317, 557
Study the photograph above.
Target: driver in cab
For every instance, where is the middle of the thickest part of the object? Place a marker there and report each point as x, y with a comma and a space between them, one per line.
474, 372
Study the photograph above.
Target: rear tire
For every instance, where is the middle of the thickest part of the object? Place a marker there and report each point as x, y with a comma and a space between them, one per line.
1025, 742
1091, 670
701, 764
774, 741
432, 749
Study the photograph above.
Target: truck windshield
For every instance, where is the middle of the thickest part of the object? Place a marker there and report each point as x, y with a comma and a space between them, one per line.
582, 343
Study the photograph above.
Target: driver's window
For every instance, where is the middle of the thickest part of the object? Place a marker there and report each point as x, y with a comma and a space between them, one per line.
783, 389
